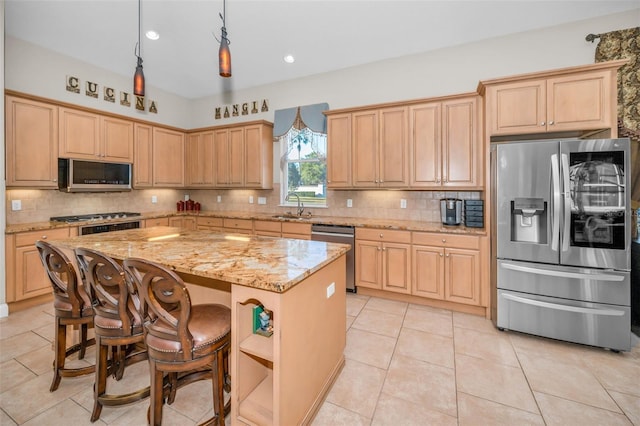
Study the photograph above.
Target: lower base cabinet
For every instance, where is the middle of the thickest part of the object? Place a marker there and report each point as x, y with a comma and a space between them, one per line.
446, 267
183, 222
383, 260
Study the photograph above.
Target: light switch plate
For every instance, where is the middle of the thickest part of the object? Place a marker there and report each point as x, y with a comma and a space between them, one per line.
262, 200
250, 199
154, 199
403, 203
219, 199
349, 202
331, 288
186, 197
16, 205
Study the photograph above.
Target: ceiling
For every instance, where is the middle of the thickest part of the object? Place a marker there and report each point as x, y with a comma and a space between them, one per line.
322, 35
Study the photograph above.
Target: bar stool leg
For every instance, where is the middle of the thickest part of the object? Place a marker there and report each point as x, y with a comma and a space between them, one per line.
100, 385
60, 342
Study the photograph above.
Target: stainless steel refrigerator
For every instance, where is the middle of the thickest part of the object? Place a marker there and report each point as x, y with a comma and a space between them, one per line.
562, 239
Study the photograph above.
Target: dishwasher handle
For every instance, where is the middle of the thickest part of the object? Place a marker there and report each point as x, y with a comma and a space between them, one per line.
332, 234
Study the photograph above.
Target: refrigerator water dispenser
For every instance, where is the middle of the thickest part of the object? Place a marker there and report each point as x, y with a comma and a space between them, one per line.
529, 220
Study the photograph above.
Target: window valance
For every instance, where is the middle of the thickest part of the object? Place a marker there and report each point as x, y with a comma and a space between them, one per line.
310, 116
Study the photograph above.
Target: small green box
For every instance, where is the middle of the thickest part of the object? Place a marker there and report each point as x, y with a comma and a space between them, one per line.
257, 310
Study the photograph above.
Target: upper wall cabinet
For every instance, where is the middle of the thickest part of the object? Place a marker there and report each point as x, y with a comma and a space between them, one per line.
200, 160
339, 151
168, 158
444, 144
143, 156
571, 99
31, 143
91, 136
244, 156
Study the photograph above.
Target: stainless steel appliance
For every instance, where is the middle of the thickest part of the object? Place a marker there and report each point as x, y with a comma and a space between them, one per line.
561, 237
339, 234
93, 176
108, 222
451, 211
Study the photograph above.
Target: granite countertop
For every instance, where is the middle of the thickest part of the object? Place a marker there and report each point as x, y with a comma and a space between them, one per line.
272, 264
407, 225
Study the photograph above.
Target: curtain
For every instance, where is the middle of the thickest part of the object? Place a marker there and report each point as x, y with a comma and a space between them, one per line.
310, 116
625, 44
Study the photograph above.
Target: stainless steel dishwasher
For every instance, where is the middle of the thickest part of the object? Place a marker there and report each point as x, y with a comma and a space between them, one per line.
339, 234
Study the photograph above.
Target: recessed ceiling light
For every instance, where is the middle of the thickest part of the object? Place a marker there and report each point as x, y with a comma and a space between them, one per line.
152, 35
289, 59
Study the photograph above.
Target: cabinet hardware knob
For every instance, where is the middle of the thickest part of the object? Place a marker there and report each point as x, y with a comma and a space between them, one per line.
551, 123
381, 236
384, 249
378, 248
44, 237
55, 180
444, 240
440, 254
542, 124
447, 255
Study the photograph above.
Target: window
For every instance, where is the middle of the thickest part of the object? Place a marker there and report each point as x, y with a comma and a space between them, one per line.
303, 167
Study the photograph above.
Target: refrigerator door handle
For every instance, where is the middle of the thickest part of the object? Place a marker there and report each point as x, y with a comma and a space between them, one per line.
540, 303
564, 274
555, 220
566, 225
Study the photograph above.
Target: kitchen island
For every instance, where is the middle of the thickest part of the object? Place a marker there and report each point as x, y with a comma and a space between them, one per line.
275, 380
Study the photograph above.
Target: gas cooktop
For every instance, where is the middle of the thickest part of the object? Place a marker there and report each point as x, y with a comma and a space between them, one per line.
96, 216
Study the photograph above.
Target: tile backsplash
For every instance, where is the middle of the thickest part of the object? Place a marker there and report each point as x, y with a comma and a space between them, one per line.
40, 205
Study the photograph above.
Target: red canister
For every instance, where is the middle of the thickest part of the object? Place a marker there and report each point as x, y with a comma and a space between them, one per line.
180, 205
189, 204
196, 206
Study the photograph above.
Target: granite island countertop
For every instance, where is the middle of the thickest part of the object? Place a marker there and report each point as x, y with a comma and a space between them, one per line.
267, 263
406, 225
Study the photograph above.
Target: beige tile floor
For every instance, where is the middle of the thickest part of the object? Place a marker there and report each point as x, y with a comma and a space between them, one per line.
405, 365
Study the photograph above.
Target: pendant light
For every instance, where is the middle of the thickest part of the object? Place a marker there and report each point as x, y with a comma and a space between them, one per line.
138, 77
224, 54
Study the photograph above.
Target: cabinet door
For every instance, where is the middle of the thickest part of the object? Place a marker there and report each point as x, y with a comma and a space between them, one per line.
168, 158
428, 272
183, 222
425, 145
143, 156
79, 135
117, 140
236, 157
460, 143
31, 278
200, 160
221, 156
396, 267
368, 264
258, 157
462, 276
339, 151
581, 102
517, 108
160, 221
365, 149
393, 148
31, 143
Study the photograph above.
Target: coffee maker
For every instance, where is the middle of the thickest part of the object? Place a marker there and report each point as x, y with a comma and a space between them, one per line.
451, 211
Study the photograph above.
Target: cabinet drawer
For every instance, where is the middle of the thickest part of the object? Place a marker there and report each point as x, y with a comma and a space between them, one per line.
161, 221
238, 223
209, 221
446, 240
265, 225
296, 228
385, 235
30, 238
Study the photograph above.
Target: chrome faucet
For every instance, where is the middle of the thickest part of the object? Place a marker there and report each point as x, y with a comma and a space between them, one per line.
300, 205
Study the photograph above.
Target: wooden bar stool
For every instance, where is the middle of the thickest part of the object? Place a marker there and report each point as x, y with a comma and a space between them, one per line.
117, 323
186, 342
72, 307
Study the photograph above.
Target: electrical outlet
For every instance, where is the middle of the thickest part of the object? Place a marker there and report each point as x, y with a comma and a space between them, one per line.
16, 205
154, 199
262, 200
349, 202
331, 288
403, 203
186, 197
219, 199
250, 199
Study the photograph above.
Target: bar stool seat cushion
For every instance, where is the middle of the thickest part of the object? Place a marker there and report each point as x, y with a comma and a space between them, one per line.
208, 324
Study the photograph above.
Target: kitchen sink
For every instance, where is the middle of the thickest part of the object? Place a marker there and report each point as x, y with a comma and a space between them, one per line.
291, 216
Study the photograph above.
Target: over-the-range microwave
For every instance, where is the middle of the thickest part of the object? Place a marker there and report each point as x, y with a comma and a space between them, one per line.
93, 176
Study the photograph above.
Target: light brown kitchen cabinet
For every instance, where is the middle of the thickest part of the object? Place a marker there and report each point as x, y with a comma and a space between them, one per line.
200, 160
446, 267
267, 228
143, 156
210, 223
244, 156
94, 137
159, 221
339, 151
239, 226
379, 148
168, 158
444, 144
184, 222
570, 99
295, 230
26, 277
31, 143
383, 259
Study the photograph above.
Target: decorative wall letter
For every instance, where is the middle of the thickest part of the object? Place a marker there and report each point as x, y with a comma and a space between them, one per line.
92, 89
73, 84
140, 103
109, 94
125, 99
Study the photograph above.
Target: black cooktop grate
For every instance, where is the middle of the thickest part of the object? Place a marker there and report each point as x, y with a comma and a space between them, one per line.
95, 216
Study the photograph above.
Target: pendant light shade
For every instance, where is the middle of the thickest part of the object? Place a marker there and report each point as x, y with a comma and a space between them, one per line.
224, 54
138, 77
